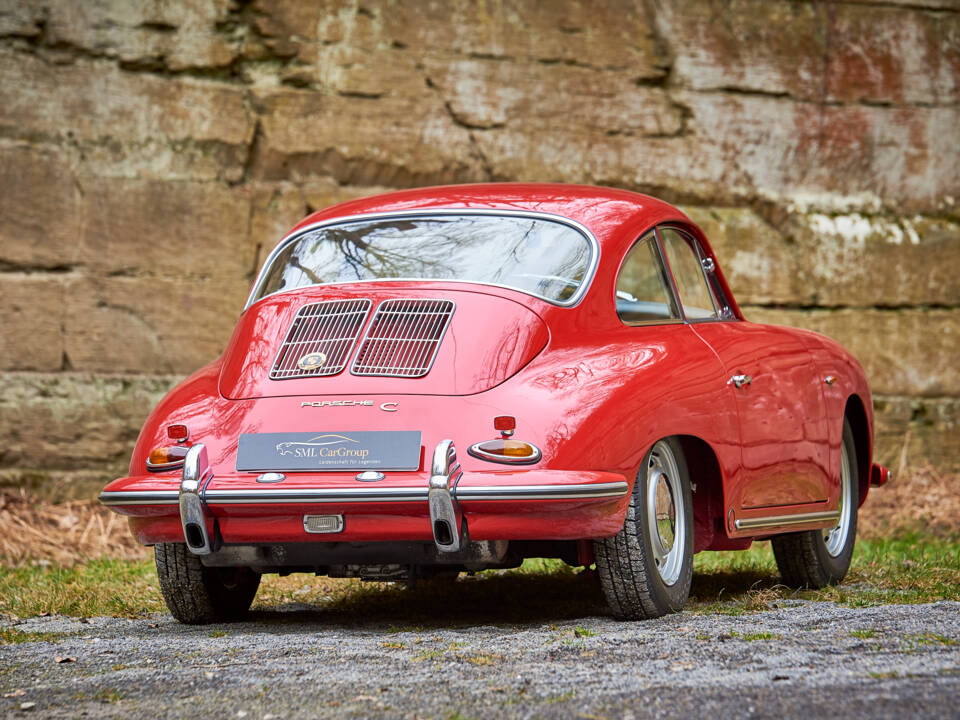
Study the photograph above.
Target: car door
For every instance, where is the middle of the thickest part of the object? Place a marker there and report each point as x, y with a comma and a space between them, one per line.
687, 385
772, 376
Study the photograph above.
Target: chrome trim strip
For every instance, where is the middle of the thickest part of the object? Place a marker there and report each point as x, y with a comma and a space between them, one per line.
426, 212
164, 467
786, 520
150, 497
584, 491
318, 495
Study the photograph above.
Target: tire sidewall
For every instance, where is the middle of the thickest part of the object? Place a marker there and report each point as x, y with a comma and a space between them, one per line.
836, 567
668, 598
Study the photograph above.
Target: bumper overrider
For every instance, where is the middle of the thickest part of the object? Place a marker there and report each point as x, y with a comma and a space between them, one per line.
504, 505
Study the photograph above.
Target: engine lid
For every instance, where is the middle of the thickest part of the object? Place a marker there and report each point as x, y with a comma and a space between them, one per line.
379, 338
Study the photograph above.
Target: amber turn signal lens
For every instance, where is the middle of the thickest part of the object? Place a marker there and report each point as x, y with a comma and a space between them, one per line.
515, 452
166, 458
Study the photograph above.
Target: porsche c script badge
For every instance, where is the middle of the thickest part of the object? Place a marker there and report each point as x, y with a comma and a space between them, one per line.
311, 361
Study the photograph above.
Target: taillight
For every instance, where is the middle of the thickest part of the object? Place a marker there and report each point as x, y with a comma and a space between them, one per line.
510, 452
166, 458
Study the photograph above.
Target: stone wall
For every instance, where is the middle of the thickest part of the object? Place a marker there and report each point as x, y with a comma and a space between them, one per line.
152, 152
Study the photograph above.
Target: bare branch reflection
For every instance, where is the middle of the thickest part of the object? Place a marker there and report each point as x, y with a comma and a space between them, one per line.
537, 256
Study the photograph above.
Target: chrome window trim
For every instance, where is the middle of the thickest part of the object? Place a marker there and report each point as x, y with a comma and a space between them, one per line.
674, 295
717, 310
575, 299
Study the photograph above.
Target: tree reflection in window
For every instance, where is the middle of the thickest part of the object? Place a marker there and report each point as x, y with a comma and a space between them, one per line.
537, 256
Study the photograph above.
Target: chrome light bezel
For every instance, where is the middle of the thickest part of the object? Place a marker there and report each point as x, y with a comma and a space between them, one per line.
476, 451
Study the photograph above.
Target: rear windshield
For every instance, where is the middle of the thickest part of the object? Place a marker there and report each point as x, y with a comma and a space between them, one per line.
537, 256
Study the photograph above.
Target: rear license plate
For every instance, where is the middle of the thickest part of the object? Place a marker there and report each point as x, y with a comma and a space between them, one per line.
367, 450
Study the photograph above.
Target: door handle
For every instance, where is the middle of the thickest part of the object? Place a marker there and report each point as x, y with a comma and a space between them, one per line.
740, 380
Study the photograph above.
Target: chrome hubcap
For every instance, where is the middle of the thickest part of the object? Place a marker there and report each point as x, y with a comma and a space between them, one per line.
666, 517
836, 537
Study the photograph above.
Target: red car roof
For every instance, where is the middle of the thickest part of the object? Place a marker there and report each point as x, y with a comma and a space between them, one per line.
599, 209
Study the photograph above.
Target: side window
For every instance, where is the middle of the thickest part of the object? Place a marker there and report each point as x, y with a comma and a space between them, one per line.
685, 262
643, 289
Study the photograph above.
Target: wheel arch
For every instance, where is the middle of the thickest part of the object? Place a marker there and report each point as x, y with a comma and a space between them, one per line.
708, 505
855, 413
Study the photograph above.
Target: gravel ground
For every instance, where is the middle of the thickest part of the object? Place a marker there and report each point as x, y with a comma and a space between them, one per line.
802, 659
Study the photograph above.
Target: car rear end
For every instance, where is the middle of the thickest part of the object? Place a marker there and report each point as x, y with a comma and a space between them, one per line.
373, 428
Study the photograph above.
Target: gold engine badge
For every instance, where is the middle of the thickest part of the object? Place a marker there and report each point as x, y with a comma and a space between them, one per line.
311, 361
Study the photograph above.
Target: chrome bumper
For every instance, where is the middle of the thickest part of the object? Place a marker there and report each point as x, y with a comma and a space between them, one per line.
446, 519
196, 473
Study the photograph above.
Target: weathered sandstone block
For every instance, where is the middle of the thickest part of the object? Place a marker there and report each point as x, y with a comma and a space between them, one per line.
73, 421
818, 52
912, 431
39, 208
31, 337
148, 325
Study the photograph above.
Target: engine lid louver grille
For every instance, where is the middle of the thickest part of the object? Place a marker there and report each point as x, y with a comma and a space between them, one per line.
320, 339
403, 338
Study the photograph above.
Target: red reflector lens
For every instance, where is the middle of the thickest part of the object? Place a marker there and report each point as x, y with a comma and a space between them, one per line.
178, 432
504, 422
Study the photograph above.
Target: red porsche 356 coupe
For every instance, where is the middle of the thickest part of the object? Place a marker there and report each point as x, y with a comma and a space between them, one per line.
458, 378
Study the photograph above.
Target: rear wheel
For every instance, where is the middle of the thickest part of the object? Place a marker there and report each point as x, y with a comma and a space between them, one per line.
645, 570
196, 594
817, 558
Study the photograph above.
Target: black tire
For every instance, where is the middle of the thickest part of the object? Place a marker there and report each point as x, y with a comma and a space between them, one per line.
811, 560
196, 594
639, 582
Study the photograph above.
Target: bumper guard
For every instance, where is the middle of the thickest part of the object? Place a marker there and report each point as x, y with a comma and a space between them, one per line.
446, 519
196, 473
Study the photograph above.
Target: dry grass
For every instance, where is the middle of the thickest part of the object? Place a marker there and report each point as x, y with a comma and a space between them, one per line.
62, 534
919, 499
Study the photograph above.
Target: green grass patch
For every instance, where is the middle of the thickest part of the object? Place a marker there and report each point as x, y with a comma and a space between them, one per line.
122, 588
863, 634
911, 569
908, 569
754, 636
12, 636
932, 639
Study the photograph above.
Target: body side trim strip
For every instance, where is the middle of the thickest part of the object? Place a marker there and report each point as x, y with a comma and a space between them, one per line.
784, 520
